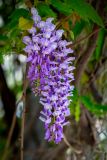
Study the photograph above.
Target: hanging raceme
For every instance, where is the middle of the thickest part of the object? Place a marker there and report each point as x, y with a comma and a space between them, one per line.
50, 73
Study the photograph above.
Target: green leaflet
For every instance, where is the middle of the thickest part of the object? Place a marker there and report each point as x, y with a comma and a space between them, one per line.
98, 109
78, 27
74, 105
72, 35
100, 43
24, 24
5, 50
61, 7
3, 37
45, 10
85, 11
20, 12
1, 57
77, 111
14, 17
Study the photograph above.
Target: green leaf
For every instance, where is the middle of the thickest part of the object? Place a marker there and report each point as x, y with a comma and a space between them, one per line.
44, 10
61, 7
1, 57
75, 105
75, 95
5, 50
100, 43
24, 24
11, 24
78, 27
98, 109
3, 37
14, 17
72, 35
15, 32
21, 12
85, 11
77, 111
74, 100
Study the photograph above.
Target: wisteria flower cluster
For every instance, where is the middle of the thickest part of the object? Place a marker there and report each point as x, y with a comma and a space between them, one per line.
50, 73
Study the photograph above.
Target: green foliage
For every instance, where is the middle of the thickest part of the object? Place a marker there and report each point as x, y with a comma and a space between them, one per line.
75, 95
2, 144
61, 7
100, 43
1, 58
45, 10
95, 108
75, 105
85, 11
24, 24
5, 50
20, 19
77, 111
11, 43
72, 35
3, 38
78, 27
16, 14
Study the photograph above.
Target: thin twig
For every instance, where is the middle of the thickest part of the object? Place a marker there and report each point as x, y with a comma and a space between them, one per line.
23, 115
69, 145
22, 133
81, 64
84, 38
62, 21
5, 153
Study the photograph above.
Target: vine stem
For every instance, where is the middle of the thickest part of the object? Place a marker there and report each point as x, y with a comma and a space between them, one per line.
23, 97
71, 147
22, 134
86, 55
5, 153
4, 157
84, 38
23, 115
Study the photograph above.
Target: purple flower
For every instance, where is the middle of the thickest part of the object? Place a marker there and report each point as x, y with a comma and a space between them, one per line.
50, 73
